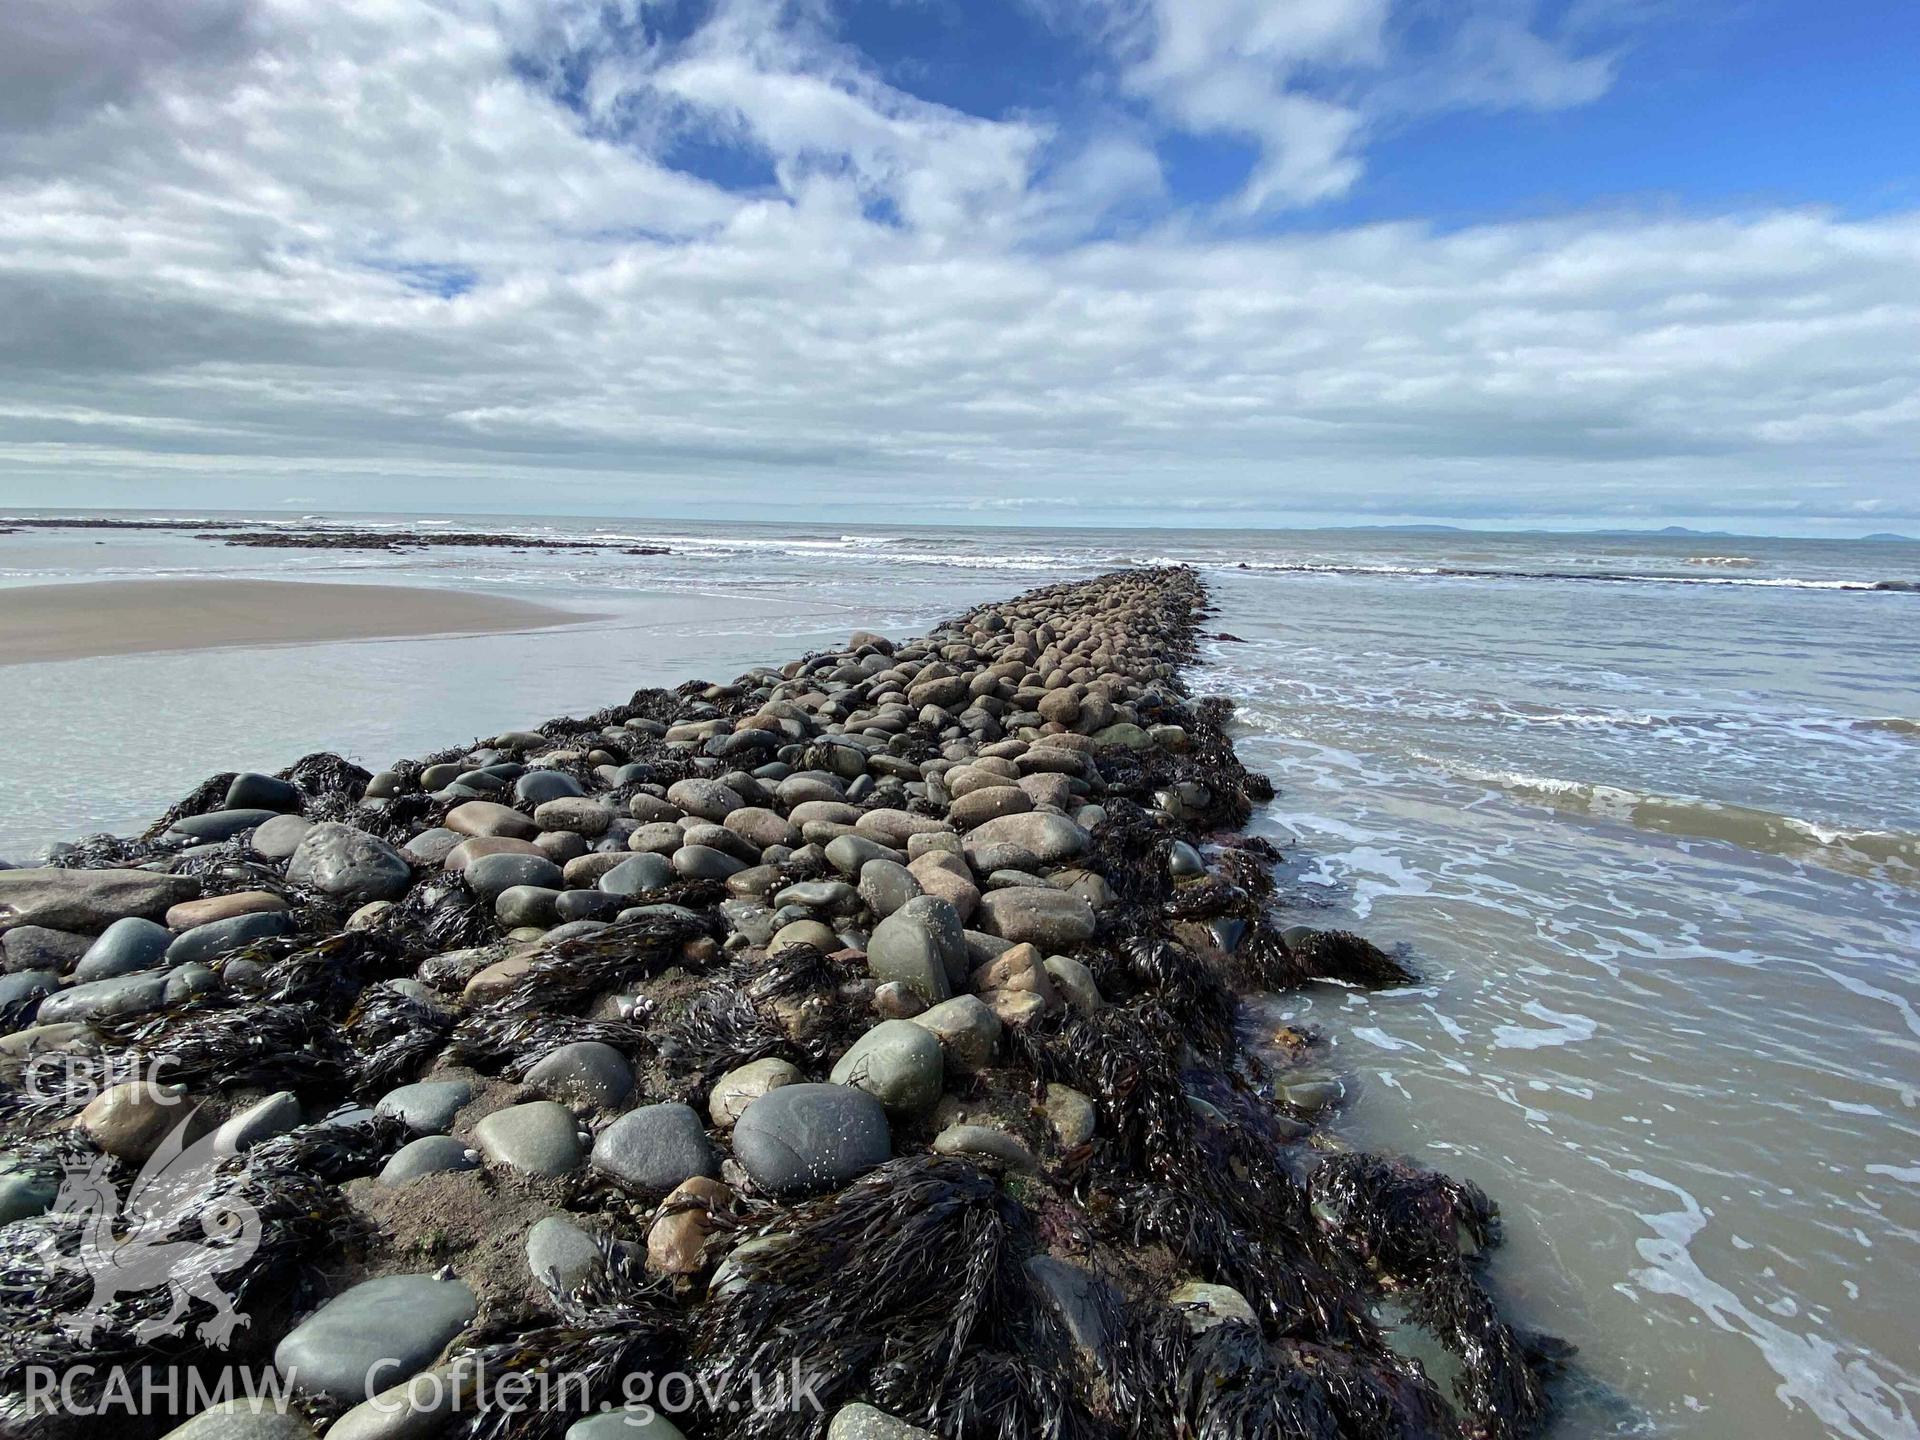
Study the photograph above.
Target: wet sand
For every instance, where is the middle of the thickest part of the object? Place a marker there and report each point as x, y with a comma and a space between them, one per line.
136, 617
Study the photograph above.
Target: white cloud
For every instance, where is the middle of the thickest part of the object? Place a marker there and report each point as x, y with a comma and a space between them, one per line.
1307, 82
232, 276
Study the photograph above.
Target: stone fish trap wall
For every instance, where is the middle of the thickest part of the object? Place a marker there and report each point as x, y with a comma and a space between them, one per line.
871, 1020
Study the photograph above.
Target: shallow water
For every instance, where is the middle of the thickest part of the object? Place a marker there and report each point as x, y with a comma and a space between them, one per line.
1641, 808
1660, 890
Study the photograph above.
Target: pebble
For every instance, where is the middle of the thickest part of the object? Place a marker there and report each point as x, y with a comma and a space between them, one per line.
20, 995
538, 787
1076, 1295
380, 1330
88, 900
850, 854
537, 1138
661, 837
35, 947
491, 876
526, 905
587, 1074
1020, 967
428, 1155
275, 1115
977, 807
129, 1120
895, 827
804, 932
1016, 1008
23, 1194
206, 943
562, 846
123, 995
244, 1419
185, 982
863, 1422
886, 885
1205, 1306
1312, 1096
560, 1254
985, 1141
803, 1138
1076, 982
707, 799
676, 1241
637, 1422
741, 1086
574, 814
1184, 862
637, 875
191, 913
968, 1032
703, 862
349, 864
252, 791
124, 947
922, 946
1071, 1115
279, 837
894, 1001
1050, 839
944, 874
427, 1107
1051, 919
898, 1062
654, 1148
415, 1409
761, 827
490, 818
218, 825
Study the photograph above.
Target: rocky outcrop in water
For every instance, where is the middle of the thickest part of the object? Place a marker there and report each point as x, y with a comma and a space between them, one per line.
869, 1023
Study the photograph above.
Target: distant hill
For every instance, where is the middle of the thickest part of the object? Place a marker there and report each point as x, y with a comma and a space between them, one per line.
1889, 535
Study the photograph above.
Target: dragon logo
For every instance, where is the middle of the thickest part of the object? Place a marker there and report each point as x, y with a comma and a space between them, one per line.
144, 1244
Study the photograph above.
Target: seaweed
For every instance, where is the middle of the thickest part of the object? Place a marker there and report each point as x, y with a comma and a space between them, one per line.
908, 1289
1293, 1292
325, 774
616, 1330
327, 975
1344, 956
1409, 1224
790, 1006
1185, 986
331, 1150
912, 1288
719, 1030
108, 852
1130, 850
268, 1213
567, 975
498, 1041
1236, 1386
275, 1046
392, 1035
436, 915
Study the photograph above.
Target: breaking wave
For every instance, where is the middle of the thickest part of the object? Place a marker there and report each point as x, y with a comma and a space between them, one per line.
1876, 854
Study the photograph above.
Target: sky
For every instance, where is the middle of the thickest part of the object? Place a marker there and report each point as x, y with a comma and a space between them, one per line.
1154, 262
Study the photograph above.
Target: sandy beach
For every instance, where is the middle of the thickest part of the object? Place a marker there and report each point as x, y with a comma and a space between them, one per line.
134, 617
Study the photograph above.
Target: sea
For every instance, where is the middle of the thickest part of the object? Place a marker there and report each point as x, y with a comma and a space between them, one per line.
1642, 811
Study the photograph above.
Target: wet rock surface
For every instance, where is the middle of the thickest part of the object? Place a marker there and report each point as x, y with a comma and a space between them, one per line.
875, 1015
